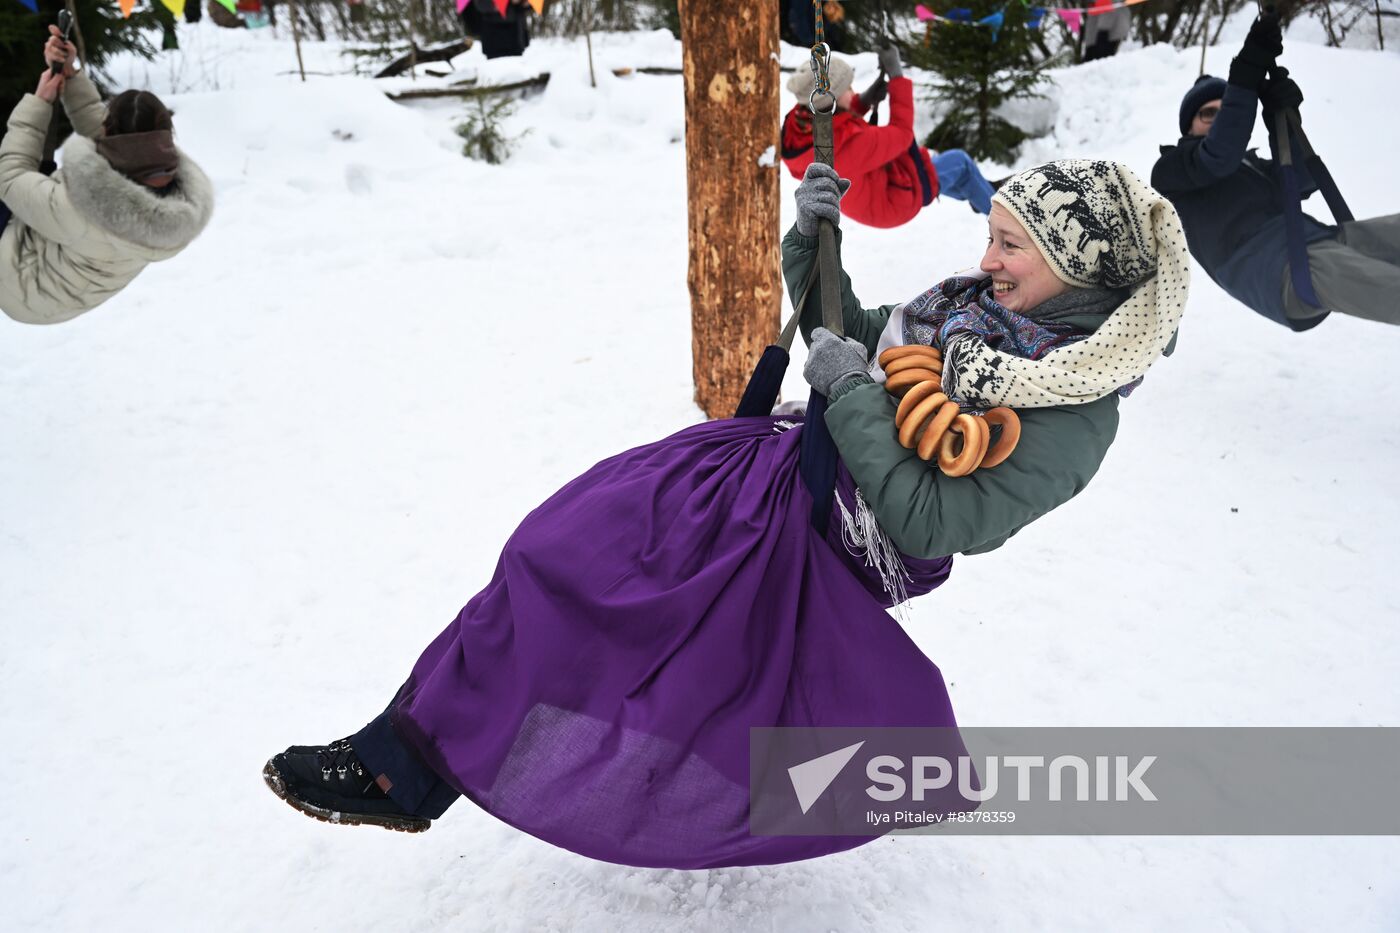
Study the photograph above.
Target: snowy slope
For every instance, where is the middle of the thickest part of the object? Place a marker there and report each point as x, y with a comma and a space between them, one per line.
238, 500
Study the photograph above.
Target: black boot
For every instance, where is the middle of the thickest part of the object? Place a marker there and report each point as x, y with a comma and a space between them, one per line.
329, 783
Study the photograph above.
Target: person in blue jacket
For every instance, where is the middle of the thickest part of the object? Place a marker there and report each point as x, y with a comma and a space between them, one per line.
1232, 214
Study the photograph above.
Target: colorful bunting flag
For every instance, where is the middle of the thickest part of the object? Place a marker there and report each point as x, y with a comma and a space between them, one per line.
501, 5
32, 4
538, 6
1073, 16
127, 6
995, 21
230, 5
174, 6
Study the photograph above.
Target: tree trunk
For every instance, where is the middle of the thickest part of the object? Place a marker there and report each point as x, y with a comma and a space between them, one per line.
732, 163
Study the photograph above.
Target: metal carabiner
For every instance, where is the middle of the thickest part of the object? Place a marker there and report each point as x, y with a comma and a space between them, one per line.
821, 60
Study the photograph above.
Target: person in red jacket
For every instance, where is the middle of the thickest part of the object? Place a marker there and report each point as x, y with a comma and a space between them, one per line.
892, 176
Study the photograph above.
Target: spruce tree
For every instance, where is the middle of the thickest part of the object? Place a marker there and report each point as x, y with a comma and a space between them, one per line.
979, 69
23, 33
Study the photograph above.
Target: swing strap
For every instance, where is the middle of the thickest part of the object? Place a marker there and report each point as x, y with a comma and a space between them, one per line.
1291, 198
1288, 123
47, 165
824, 151
818, 457
1318, 169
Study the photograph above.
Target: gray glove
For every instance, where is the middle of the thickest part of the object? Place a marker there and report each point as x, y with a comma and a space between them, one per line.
819, 198
831, 360
889, 63
877, 92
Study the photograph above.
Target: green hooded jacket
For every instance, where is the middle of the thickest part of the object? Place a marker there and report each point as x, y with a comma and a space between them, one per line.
926, 513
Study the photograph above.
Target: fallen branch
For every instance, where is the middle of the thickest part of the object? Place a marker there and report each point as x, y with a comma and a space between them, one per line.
417, 56
470, 91
661, 70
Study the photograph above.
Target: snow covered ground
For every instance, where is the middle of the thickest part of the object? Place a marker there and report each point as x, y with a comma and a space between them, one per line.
236, 501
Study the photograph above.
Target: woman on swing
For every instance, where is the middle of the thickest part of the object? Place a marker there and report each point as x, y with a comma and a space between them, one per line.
599, 692
124, 198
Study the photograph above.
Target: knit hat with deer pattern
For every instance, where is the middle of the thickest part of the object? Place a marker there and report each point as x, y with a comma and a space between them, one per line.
1097, 225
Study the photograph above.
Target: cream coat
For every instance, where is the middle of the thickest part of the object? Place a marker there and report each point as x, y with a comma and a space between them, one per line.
79, 237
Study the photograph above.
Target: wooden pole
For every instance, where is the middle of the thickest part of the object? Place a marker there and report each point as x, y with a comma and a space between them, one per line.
296, 38
588, 38
1380, 30
730, 65
412, 27
1205, 39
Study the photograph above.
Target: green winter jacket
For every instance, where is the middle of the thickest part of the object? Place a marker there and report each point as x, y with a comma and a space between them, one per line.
926, 513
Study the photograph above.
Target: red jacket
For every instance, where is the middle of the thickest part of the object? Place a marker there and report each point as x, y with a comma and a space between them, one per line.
891, 176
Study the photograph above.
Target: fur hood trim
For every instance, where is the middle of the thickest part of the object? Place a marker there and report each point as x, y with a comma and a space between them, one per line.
128, 209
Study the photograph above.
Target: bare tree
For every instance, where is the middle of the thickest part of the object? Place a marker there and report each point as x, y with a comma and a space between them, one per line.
1340, 17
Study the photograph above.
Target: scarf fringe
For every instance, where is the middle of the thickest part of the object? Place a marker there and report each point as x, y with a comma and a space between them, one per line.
863, 537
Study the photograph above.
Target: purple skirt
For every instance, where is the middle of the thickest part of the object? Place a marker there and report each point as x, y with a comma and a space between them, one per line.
599, 692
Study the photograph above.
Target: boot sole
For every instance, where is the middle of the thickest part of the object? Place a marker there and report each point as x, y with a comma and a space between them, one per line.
401, 824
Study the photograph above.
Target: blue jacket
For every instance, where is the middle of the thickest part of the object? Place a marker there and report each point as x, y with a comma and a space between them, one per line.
1229, 207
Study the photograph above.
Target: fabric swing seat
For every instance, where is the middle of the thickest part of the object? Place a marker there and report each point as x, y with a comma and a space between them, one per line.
599, 692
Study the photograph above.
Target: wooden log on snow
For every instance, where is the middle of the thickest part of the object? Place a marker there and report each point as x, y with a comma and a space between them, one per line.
469, 91
417, 56
661, 70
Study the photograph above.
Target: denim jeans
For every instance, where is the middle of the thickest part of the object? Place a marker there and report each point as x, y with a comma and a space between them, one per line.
959, 177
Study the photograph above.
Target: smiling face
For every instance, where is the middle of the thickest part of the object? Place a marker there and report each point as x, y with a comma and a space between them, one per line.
1021, 276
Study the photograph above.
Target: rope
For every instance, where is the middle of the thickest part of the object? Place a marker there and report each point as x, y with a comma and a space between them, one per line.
821, 61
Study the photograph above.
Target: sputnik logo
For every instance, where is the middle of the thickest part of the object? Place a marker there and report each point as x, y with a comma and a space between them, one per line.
811, 778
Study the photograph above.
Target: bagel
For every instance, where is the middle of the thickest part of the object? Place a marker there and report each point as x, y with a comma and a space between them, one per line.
914, 361
921, 413
984, 437
937, 428
973, 439
913, 349
902, 382
1010, 435
911, 398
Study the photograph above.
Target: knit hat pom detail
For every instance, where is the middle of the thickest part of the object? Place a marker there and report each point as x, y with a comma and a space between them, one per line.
839, 71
